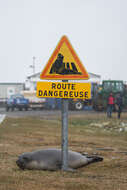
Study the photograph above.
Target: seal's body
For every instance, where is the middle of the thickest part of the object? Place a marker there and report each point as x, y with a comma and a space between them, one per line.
50, 159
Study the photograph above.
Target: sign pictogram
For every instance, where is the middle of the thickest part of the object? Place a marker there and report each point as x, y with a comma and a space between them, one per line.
64, 63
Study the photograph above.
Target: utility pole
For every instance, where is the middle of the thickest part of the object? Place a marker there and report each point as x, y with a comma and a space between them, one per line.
33, 65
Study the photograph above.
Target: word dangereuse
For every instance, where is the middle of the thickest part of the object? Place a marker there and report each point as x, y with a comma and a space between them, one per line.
63, 90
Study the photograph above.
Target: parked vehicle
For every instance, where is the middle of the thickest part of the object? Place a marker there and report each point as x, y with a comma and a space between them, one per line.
34, 101
107, 87
53, 103
74, 104
79, 104
17, 101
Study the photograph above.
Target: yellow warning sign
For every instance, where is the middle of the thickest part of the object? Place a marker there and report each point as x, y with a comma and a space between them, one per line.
64, 63
63, 90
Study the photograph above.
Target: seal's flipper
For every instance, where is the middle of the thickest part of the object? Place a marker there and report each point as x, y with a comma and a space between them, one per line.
92, 159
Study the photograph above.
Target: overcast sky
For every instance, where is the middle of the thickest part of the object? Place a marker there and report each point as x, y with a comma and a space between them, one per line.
97, 29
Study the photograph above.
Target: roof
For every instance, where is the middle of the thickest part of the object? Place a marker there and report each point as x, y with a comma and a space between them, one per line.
11, 83
34, 75
92, 75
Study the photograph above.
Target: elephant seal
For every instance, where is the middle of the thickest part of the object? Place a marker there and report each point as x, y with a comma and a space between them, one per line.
50, 159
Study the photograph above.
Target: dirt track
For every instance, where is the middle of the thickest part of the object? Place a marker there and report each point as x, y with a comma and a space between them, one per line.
16, 113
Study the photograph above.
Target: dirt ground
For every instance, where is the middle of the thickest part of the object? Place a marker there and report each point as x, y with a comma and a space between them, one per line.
88, 133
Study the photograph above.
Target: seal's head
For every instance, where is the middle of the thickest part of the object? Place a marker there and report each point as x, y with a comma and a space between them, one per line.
23, 160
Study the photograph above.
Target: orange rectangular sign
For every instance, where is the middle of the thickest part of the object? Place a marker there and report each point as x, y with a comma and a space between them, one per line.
63, 90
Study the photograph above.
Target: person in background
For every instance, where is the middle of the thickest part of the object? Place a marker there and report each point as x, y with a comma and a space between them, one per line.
110, 106
119, 103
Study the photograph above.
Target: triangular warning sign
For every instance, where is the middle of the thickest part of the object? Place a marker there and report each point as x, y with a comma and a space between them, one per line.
64, 63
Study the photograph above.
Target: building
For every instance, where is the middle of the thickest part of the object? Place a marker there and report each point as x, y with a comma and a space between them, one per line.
8, 89
31, 80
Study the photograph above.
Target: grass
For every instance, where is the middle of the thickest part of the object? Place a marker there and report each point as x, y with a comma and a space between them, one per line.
18, 135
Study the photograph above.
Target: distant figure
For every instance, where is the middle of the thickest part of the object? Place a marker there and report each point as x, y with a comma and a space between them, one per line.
110, 106
119, 103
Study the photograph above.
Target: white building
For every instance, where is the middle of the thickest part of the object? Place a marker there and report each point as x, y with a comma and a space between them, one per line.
31, 80
8, 89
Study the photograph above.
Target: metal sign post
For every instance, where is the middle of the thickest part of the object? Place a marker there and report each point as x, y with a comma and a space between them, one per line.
64, 134
64, 143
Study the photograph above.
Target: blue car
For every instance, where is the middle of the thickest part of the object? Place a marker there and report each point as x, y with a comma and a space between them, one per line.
17, 101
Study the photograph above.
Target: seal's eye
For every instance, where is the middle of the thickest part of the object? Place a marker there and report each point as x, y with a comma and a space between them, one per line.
26, 158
